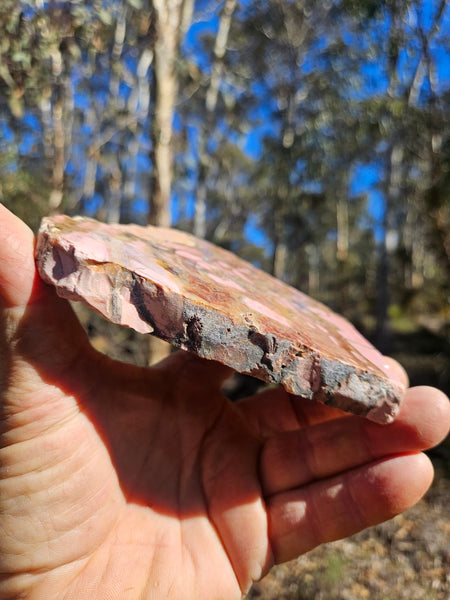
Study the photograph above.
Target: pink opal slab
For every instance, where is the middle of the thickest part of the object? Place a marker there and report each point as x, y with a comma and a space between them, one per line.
206, 300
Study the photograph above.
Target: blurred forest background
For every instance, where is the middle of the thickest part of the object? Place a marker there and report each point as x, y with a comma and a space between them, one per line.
310, 137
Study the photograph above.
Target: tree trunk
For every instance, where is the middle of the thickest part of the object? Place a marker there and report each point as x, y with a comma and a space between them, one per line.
211, 98
280, 250
343, 231
57, 153
388, 243
116, 103
313, 254
168, 19
58, 163
138, 105
113, 208
171, 16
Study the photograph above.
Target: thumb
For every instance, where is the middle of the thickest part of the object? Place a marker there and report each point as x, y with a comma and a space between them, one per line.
36, 325
43, 348
19, 281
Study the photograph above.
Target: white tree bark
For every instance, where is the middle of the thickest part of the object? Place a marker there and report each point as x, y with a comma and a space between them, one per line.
168, 21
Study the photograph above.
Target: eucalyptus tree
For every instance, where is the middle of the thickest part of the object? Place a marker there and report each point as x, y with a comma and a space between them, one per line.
405, 39
38, 49
306, 77
172, 20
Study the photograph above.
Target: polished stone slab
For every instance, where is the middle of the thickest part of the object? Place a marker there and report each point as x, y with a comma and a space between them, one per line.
206, 300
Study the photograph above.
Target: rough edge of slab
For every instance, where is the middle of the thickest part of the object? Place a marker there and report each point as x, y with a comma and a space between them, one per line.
194, 327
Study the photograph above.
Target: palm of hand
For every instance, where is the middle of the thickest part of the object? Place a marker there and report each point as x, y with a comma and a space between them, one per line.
128, 471
120, 482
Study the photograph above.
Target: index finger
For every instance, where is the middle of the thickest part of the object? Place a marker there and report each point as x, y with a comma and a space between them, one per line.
275, 411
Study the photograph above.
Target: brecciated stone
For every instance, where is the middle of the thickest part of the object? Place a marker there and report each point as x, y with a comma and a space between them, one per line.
204, 299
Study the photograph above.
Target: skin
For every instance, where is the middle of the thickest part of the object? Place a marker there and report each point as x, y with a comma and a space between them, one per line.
118, 482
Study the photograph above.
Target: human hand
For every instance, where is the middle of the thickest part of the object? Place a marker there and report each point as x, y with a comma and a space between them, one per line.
118, 482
